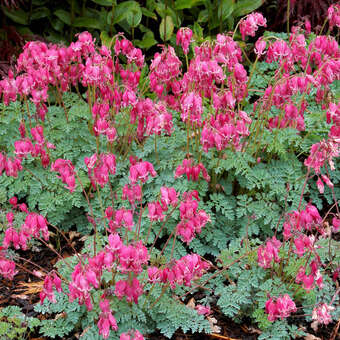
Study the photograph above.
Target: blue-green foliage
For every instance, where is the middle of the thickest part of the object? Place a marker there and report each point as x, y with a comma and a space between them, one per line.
246, 197
14, 324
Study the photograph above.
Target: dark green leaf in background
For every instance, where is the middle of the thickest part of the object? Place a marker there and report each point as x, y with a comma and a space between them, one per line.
244, 7
17, 15
64, 16
166, 28
225, 9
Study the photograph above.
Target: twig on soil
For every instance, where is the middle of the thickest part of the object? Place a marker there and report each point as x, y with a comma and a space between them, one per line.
222, 337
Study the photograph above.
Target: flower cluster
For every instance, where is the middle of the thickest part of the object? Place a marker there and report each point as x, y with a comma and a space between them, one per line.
334, 16
251, 23
131, 335
106, 319
99, 167
280, 307
51, 281
321, 314
66, 171
183, 38
270, 252
182, 272
191, 171
33, 226
192, 220
7, 267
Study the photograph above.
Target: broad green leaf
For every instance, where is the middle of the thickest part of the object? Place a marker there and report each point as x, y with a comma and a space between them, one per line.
147, 41
182, 4
40, 12
106, 39
163, 12
121, 11
198, 31
57, 24
87, 22
24, 30
203, 16
134, 14
148, 13
166, 28
105, 2
18, 15
243, 7
225, 9
64, 16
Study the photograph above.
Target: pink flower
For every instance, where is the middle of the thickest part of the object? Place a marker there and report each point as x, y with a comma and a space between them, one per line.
7, 268
38, 134
168, 196
131, 335
153, 274
132, 193
13, 166
183, 38
165, 67
260, 47
320, 185
13, 201
334, 16
281, 308
184, 270
336, 224
203, 310
269, 253
47, 292
130, 291
140, 172
192, 108
192, 171
321, 314
23, 147
251, 23
155, 211
106, 319
99, 167
66, 171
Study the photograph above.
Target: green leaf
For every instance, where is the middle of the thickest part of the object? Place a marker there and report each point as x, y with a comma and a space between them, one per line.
105, 2
57, 24
148, 13
64, 16
166, 28
134, 14
18, 15
121, 12
203, 16
225, 9
198, 31
182, 4
147, 41
106, 39
244, 7
168, 11
87, 22
40, 12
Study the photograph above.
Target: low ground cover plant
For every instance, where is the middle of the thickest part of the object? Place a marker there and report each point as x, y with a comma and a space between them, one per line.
216, 174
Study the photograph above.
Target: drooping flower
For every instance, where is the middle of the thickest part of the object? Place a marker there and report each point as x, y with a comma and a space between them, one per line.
251, 23
183, 38
280, 307
321, 314
106, 319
